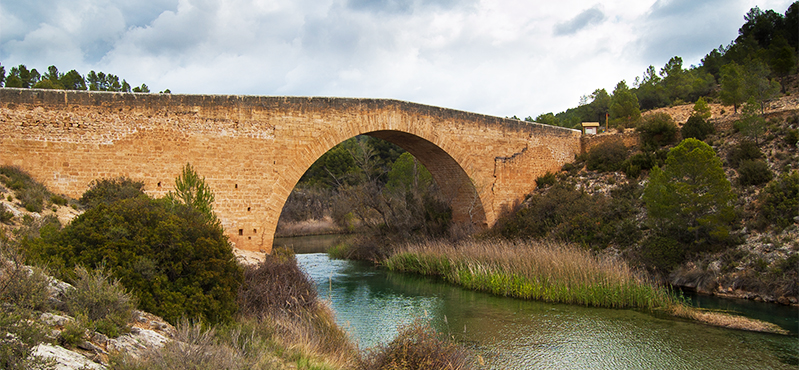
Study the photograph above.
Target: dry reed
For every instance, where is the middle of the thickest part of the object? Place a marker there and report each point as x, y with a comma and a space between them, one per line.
533, 270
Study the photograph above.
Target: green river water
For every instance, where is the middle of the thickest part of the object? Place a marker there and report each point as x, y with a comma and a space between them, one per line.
517, 334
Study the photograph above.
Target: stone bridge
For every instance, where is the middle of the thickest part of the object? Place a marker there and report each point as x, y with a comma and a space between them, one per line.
252, 150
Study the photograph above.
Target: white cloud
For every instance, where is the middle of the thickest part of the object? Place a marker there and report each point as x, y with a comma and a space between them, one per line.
489, 56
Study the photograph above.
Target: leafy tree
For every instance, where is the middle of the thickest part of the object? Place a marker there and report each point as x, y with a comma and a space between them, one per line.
751, 124
72, 80
732, 85
624, 110
758, 85
676, 81
20, 76
701, 109
2, 75
690, 199
547, 119
141, 89
782, 57
192, 191
407, 174
599, 105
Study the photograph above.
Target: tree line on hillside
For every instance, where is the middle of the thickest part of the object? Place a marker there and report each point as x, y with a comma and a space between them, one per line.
751, 66
22, 77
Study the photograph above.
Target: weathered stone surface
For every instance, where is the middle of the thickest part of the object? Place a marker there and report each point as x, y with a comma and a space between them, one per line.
55, 320
65, 359
252, 150
137, 342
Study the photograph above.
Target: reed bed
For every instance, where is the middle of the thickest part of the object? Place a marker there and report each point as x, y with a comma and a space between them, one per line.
536, 270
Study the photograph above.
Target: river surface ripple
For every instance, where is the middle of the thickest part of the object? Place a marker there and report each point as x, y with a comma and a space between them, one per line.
517, 334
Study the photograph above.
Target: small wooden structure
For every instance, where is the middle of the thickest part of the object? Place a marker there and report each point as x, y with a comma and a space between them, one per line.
590, 128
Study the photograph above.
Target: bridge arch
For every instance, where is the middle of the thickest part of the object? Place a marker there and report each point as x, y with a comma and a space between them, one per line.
454, 183
252, 150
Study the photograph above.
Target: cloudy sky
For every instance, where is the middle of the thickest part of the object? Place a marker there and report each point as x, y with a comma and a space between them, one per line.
504, 58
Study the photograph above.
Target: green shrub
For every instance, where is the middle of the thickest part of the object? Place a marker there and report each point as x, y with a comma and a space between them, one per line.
5, 215
754, 173
746, 150
30, 193
107, 191
546, 180
191, 270
58, 200
779, 202
662, 253
102, 299
657, 130
565, 213
698, 128
74, 332
17, 353
21, 285
417, 346
644, 161
607, 156
792, 138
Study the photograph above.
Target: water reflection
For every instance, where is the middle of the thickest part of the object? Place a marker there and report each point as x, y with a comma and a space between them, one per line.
511, 333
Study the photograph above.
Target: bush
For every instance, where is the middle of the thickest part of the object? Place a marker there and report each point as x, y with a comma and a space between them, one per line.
754, 173
31, 193
792, 138
607, 156
746, 150
175, 262
21, 335
779, 202
102, 299
657, 130
643, 161
546, 180
107, 191
5, 215
23, 286
59, 200
662, 253
697, 128
277, 284
417, 346
565, 213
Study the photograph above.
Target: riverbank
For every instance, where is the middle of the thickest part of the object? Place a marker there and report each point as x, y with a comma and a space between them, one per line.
554, 273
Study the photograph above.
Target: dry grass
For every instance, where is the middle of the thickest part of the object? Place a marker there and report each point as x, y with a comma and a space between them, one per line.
533, 270
417, 346
725, 320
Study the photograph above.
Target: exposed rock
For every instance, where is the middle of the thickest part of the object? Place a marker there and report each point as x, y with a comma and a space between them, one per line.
64, 358
55, 320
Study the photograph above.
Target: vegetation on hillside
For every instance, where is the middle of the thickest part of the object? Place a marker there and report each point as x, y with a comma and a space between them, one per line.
756, 64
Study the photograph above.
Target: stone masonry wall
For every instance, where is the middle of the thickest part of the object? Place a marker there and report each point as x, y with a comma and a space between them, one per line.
252, 150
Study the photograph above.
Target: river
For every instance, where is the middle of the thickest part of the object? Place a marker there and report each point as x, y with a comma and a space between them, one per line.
517, 334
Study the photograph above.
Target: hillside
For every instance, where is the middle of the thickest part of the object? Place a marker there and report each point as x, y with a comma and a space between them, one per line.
763, 262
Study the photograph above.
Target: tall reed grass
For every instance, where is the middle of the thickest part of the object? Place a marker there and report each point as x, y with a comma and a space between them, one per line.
535, 270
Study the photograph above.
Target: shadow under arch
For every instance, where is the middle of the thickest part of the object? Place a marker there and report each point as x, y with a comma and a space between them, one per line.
454, 183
